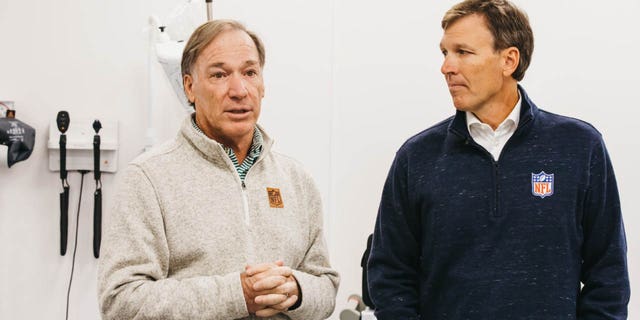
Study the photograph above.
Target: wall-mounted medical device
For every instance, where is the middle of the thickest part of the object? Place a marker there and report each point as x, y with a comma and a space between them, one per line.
79, 146
167, 38
62, 123
168, 49
83, 148
169, 54
18, 136
97, 195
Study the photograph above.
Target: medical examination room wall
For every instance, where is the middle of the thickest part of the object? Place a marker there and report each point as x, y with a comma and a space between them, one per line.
346, 83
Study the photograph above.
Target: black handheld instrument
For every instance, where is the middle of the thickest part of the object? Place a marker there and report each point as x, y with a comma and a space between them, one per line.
62, 120
97, 195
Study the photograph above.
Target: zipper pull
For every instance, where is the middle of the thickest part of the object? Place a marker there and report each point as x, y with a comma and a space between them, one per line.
243, 185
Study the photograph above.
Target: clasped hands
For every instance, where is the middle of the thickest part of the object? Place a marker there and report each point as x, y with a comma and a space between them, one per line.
269, 288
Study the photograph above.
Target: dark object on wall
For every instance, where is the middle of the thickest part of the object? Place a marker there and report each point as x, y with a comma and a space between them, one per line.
18, 136
63, 120
366, 298
97, 195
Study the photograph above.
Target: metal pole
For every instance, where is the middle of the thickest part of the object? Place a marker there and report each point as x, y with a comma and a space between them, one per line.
209, 10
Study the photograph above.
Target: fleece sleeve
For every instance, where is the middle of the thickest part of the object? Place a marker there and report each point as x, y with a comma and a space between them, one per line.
317, 280
605, 293
393, 261
133, 269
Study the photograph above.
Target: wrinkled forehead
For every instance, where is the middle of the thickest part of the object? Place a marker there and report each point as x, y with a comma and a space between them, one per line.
471, 29
230, 45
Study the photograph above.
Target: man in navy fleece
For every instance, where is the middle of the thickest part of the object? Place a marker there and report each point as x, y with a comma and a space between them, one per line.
503, 211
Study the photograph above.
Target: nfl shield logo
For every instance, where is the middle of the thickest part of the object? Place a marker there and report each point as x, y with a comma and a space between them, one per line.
542, 184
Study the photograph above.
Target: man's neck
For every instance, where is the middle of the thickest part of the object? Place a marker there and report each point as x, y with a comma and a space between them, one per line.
239, 145
498, 110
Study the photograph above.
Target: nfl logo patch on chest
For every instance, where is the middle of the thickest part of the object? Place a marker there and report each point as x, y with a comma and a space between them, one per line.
275, 198
542, 184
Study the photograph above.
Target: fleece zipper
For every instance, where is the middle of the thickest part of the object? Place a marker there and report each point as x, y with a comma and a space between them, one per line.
245, 203
243, 189
495, 210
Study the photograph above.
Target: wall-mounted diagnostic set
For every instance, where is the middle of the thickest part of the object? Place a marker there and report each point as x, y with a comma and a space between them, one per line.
82, 146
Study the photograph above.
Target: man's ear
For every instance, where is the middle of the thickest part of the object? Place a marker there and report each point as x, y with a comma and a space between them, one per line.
187, 82
511, 60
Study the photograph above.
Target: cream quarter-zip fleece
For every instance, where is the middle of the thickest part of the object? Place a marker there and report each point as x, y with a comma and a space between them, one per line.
183, 228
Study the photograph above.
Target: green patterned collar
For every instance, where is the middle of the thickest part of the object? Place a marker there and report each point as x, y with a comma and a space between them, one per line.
252, 155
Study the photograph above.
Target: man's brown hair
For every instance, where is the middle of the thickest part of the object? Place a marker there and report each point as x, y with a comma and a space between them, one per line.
507, 23
205, 33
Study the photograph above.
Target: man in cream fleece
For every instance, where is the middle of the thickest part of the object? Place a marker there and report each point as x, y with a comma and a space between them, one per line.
214, 224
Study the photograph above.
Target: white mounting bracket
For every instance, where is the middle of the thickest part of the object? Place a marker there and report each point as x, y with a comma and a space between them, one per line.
80, 145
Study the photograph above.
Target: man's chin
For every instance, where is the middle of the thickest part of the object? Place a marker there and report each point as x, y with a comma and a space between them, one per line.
460, 105
241, 129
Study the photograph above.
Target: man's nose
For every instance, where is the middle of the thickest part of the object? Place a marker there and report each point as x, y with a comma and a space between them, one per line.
237, 87
449, 65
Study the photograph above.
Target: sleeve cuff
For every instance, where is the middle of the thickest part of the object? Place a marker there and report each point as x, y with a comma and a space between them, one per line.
299, 301
237, 307
309, 307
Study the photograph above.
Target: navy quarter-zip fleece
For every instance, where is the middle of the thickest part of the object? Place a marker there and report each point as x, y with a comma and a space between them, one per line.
461, 236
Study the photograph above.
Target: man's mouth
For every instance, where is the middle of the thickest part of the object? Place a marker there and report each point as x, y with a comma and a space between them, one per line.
239, 111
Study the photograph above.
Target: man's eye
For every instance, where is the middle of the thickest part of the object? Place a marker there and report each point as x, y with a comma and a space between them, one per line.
463, 52
444, 53
218, 75
251, 73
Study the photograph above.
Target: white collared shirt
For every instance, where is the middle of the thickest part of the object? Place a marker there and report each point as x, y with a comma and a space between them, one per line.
494, 141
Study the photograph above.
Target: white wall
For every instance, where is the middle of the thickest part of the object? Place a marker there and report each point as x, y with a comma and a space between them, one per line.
356, 78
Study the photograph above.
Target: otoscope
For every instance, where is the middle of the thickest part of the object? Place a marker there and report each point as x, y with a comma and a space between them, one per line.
97, 196
62, 120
